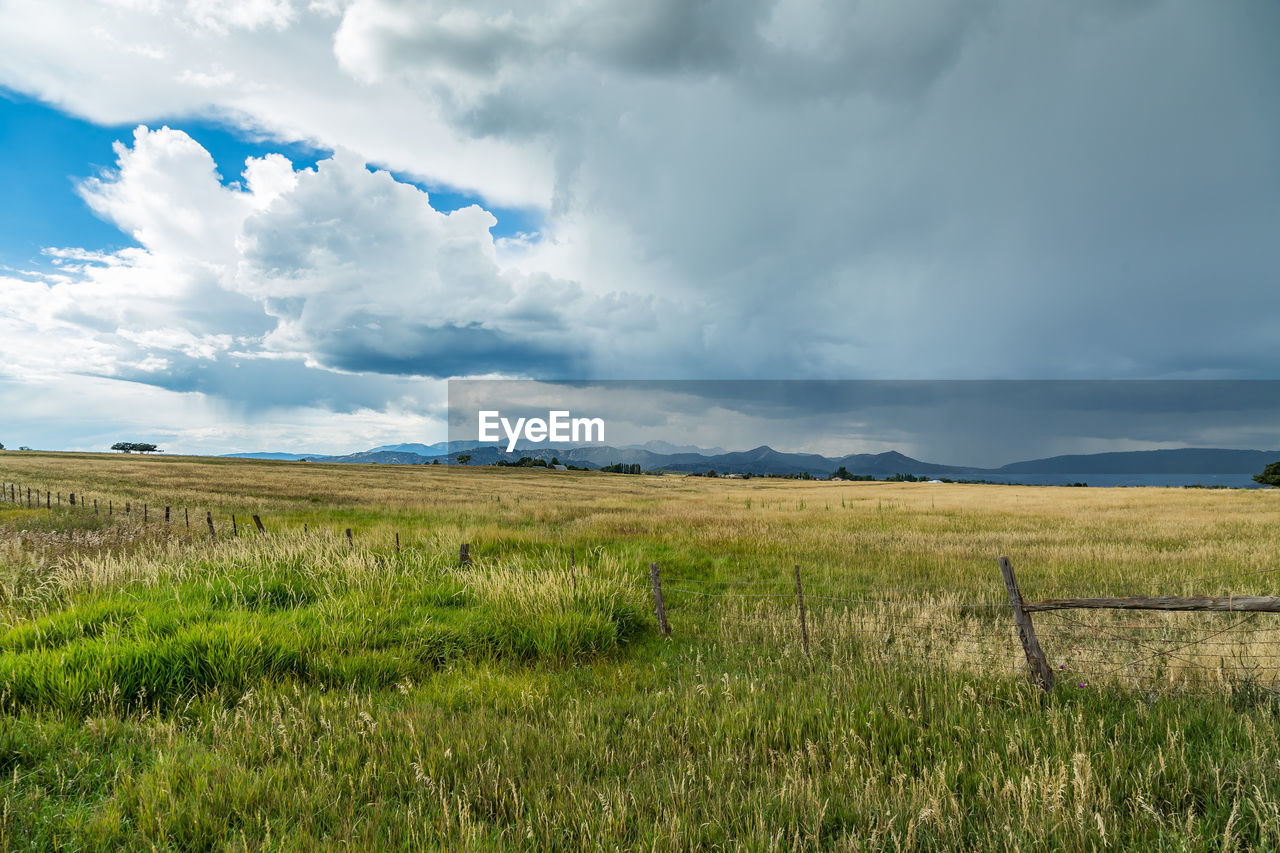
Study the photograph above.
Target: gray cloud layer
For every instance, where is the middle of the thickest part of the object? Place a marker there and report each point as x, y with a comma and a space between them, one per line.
770, 188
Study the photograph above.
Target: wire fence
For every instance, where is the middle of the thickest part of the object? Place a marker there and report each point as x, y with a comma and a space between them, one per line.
826, 624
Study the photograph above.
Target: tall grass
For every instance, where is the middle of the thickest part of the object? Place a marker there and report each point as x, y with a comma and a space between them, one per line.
166, 691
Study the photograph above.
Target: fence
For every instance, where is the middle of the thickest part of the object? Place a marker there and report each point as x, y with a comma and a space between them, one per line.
1196, 642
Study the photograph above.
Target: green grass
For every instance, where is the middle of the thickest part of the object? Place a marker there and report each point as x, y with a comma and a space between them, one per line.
169, 692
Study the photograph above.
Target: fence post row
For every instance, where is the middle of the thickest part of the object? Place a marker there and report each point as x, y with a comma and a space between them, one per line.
658, 606
1036, 661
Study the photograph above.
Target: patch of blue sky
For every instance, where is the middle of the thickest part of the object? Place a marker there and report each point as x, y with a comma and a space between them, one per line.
45, 153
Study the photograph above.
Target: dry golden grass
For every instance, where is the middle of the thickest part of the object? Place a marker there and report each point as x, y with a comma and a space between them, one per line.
544, 721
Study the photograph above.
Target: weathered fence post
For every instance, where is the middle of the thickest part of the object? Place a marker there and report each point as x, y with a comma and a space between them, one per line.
397, 541
72, 498
208, 518
1036, 661
28, 498
166, 515
145, 514
257, 522
658, 606
95, 506
804, 626
186, 515
464, 554
350, 542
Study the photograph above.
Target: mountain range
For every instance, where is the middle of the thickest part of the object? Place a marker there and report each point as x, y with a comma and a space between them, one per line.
1236, 466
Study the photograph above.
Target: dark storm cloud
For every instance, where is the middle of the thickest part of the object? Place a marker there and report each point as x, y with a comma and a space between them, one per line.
270, 383
441, 352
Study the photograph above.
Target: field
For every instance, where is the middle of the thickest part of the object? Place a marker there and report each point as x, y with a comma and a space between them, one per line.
161, 688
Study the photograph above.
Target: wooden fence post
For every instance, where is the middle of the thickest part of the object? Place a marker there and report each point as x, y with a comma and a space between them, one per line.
144, 513
350, 542
804, 626
257, 522
186, 515
28, 498
464, 554
235, 531
1036, 661
166, 515
72, 498
397, 541
658, 606
95, 506
208, 517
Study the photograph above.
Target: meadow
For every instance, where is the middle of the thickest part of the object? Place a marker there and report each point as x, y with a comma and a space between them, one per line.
164, 689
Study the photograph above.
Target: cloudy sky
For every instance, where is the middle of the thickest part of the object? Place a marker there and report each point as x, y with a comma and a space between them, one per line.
279, 224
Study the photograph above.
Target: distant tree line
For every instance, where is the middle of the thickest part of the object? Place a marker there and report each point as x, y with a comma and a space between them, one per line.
621, 468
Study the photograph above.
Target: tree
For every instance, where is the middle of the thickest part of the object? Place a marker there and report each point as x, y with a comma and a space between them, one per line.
464, 458
134, 447
1270, 475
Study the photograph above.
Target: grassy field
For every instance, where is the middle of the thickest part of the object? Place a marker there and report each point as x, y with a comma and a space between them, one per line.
160, 688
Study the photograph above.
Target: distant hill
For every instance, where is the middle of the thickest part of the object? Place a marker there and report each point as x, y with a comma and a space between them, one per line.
1192, 460
668, 449
1231, 467
440, 448
380, 457
286, 457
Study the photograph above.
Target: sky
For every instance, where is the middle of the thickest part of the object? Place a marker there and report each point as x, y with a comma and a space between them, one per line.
284, 225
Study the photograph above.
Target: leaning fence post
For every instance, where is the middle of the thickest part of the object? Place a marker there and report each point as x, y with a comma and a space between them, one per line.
1036, 660
208, 518
804, 626
397, 541
464, 554
257, 522
658, 607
